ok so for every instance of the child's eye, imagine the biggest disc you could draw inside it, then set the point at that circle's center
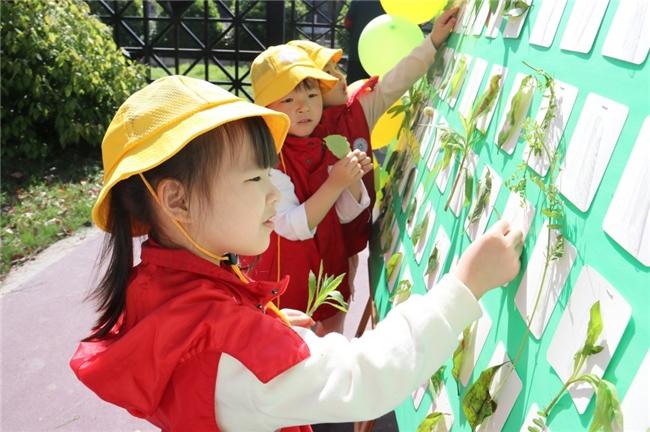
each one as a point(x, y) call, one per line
point(254, 179)
point(313, 95)
point(287, 100)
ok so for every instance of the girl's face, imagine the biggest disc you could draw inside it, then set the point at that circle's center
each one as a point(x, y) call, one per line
point(237, 217)
point(304, 106)
point(338, 95)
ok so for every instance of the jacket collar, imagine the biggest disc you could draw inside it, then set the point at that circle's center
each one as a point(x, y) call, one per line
point(259, 293)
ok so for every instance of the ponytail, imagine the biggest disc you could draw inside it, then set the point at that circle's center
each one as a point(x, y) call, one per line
point(128, 205)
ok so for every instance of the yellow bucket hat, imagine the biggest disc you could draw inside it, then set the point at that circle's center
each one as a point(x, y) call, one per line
point(279, 69)
point(319, 54)
point(156, 122)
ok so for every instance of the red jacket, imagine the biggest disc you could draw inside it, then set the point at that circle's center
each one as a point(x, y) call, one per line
point(350, 121)
point(182, 312)
point(305, 161)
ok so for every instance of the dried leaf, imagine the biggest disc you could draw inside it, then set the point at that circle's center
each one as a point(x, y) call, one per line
point(459, 354)
point(393, 264)
point(518, 109)
point(487, 100)
point(433, 261)
point(483, 192)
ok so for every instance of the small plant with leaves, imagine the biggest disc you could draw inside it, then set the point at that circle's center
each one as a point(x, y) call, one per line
point(483, 191)
point(418, 94)
point(608, 416)
point(518, 110)
point(402, 292)
point(420, 230)
point(323, 291)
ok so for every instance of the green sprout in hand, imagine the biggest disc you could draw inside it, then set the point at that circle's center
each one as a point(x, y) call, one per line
point(323, 291)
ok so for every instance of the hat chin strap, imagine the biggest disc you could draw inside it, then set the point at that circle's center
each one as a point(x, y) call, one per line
point(201, 249)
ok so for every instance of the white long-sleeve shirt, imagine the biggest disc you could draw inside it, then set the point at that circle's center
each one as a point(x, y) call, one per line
point(350, 380)
point(291, 218)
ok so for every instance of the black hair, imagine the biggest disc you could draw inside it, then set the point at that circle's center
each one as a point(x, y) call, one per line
point(131, 205)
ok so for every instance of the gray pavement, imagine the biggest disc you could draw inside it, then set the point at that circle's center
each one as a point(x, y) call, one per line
point(44, 315)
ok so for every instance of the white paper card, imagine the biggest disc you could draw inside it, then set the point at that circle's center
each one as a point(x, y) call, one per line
point(478, 227)
point(565, 96)
point(458, 199)
point(464, 17)
point(628, 217)
point(392, 280)
point(481, 19)
point(629, 36)
point(518, 214)
point(590, 149)
point(505, 389)
point(530, 286)
point(515, 24)
point(427, 128)
point(483, 122)
point(435, 147)
point(636, 404)
point(571, 331)
point(419, 200)
point(509, 145)
point(494, 23)
point(532, 414)
point(447, 58)
point(548, 18)
point(479, 331)
point(407, 186)
point(401, 297)
point(430, 216)
point(584, 22)
point(442, 405)
point(462, 77)
point(443, 176)
point(473, 84)
point(443, 244)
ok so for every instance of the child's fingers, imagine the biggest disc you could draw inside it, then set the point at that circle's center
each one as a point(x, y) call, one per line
point(448, 15)
point(501, 227)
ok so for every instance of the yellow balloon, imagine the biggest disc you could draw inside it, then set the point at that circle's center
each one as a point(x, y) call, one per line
point(385, 130)
point(417, 11)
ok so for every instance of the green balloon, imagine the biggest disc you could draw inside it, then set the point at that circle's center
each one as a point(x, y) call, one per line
point(385, 41)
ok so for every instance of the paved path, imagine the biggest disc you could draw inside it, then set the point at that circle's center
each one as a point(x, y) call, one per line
point(43, 316)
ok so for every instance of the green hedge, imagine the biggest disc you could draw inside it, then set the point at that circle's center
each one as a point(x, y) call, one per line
point(63, 78)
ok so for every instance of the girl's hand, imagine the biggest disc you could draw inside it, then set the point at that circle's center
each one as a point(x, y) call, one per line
point(298, 319)
point(443, 27)
point(491, 260)
point(365, 162)
point(346, 171)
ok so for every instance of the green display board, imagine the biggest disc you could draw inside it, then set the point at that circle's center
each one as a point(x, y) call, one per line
point(613, 97)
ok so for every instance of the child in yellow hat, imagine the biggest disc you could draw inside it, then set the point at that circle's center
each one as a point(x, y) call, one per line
point(189, 343)
point(325, 237)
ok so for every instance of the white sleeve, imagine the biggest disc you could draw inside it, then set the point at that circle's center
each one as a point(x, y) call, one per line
point(290, 219)
point(348, 208)
point(350, 380)
point(396, 81)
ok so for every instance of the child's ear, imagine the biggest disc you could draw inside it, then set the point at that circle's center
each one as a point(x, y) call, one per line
point(174, 199)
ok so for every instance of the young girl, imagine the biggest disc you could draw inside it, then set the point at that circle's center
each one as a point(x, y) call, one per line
point(184, 340)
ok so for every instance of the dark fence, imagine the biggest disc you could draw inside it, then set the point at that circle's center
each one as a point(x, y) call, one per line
point(216, 40)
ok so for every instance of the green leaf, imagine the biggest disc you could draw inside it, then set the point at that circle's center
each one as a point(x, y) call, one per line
point(483, 192)
point(323, 291)
point(419, 230)
point(518, 110)
point(607, 412)
point(517, 8)
point(402, 292)
point(594, 329)
point(338, 145)
point(436, 381)
point(478, 403)
point(431, 422)
point(311, 283)
point(393, 264)
point(494, 4)
point(457, 78)
point(459, 354)
point(487, 100)
point(433, 261)
point(469, 188)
